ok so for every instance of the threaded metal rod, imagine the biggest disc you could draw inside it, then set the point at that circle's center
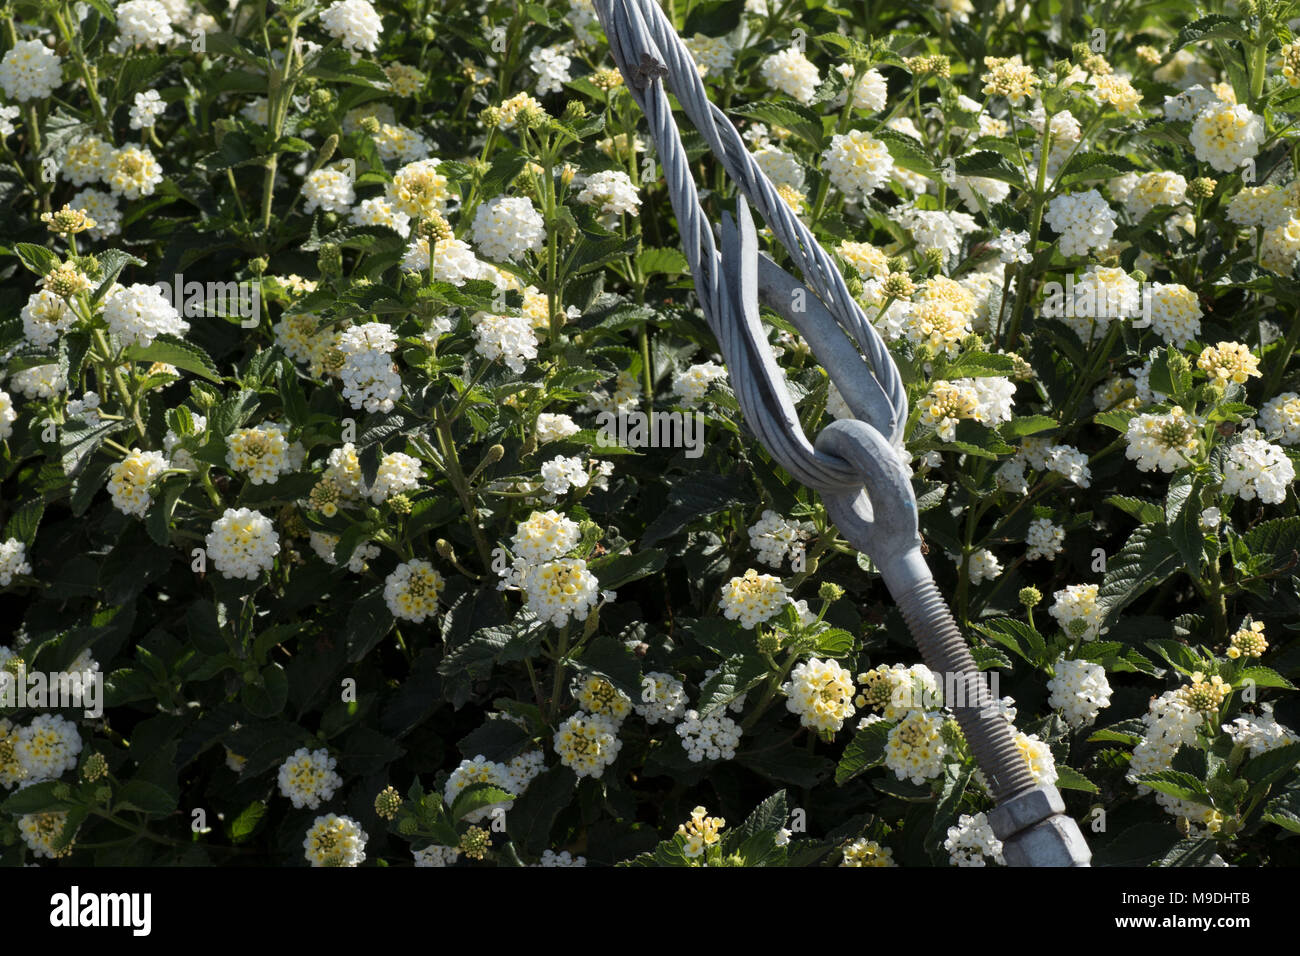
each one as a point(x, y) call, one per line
point(947, 655)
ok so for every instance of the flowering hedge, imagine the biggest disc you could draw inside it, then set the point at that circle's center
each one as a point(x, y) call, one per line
point(318, 322)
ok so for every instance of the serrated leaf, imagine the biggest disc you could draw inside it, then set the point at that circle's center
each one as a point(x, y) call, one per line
point(864, 751)
point(174, 351)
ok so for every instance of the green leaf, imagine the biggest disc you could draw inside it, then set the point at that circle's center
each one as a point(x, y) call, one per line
point(25, 521)
point(174, 351)
point(655, 260)
point(1148, 512)
point(477, 796)
point(267, 698)
point(158, 520)
point(244, 825)
point(1017, 637)
point(1191, 853)
point(37, 259)
point(1272, 765)
point(1283, 810)
point(615, 570)
point(1147, 558)
point(1068, 779)
point(987, 164)
point(694, 496)
point(1207, 28)
point(834, 642)
point(1088, 167)
point(533, 813)
point(1279, 537)
point(1026, 425)
point(776, 757)
point(38, 798)
point(906, 151)
point(368, 621)
point(864, 751)
point(1263, 677)
point(800, 120)
point(1176, 784)
point(146, 797)
point(735, 677)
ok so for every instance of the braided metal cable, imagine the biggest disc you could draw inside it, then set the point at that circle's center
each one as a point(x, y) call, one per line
point(645, 46)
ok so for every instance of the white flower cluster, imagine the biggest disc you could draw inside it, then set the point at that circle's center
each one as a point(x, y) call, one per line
point(561, 590)
point(435, 855)
point(870, 93)
point(45, 316)
point(935, 228)
point(264, 452)
point(412, 590)
point(1254, 468)
point(551, 64)
point(398, 473)
point(130, 478)
point(509, 338)
point(983, 565)
point(587, 744)
point(479, 770)
point(1042, 765)
point(1084, 221)
point(613, 192)
point(779, 166)
point(791, 72)
point(753, 598)
point(1175, 313)
point(146, 108)
point(13, 561)
point(141, 23)
point(1079, 689)
point(690, 386)
point(242, 543)
point(1226, 135)
point(1165, 441)
point(30, 70)
point(562, 473)
point(329, 190)
point(308, 778)
point(555, 427)
point(324, 544)
point(663, 698)
point(821, 692)
point(1078, 603)
point(1169, 724)
point(333, 840)
point(1044, 539)
point(1260, 733)
point(45, 748)
point(1280, 418)
point(714, 737)
point(370, 379)
point(140, 313)
point(775, 538)
point(562, 859)
point(353, 22)
point(915, 748)
point(8, 415)
point(508, 226)
point(857, 163)
point(972, 841)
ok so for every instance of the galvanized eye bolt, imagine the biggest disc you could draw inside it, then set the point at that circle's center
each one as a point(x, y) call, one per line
point(858, 465)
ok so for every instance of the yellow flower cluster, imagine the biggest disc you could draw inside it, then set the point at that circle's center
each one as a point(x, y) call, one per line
point(701, 832)
point(1229, 362)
